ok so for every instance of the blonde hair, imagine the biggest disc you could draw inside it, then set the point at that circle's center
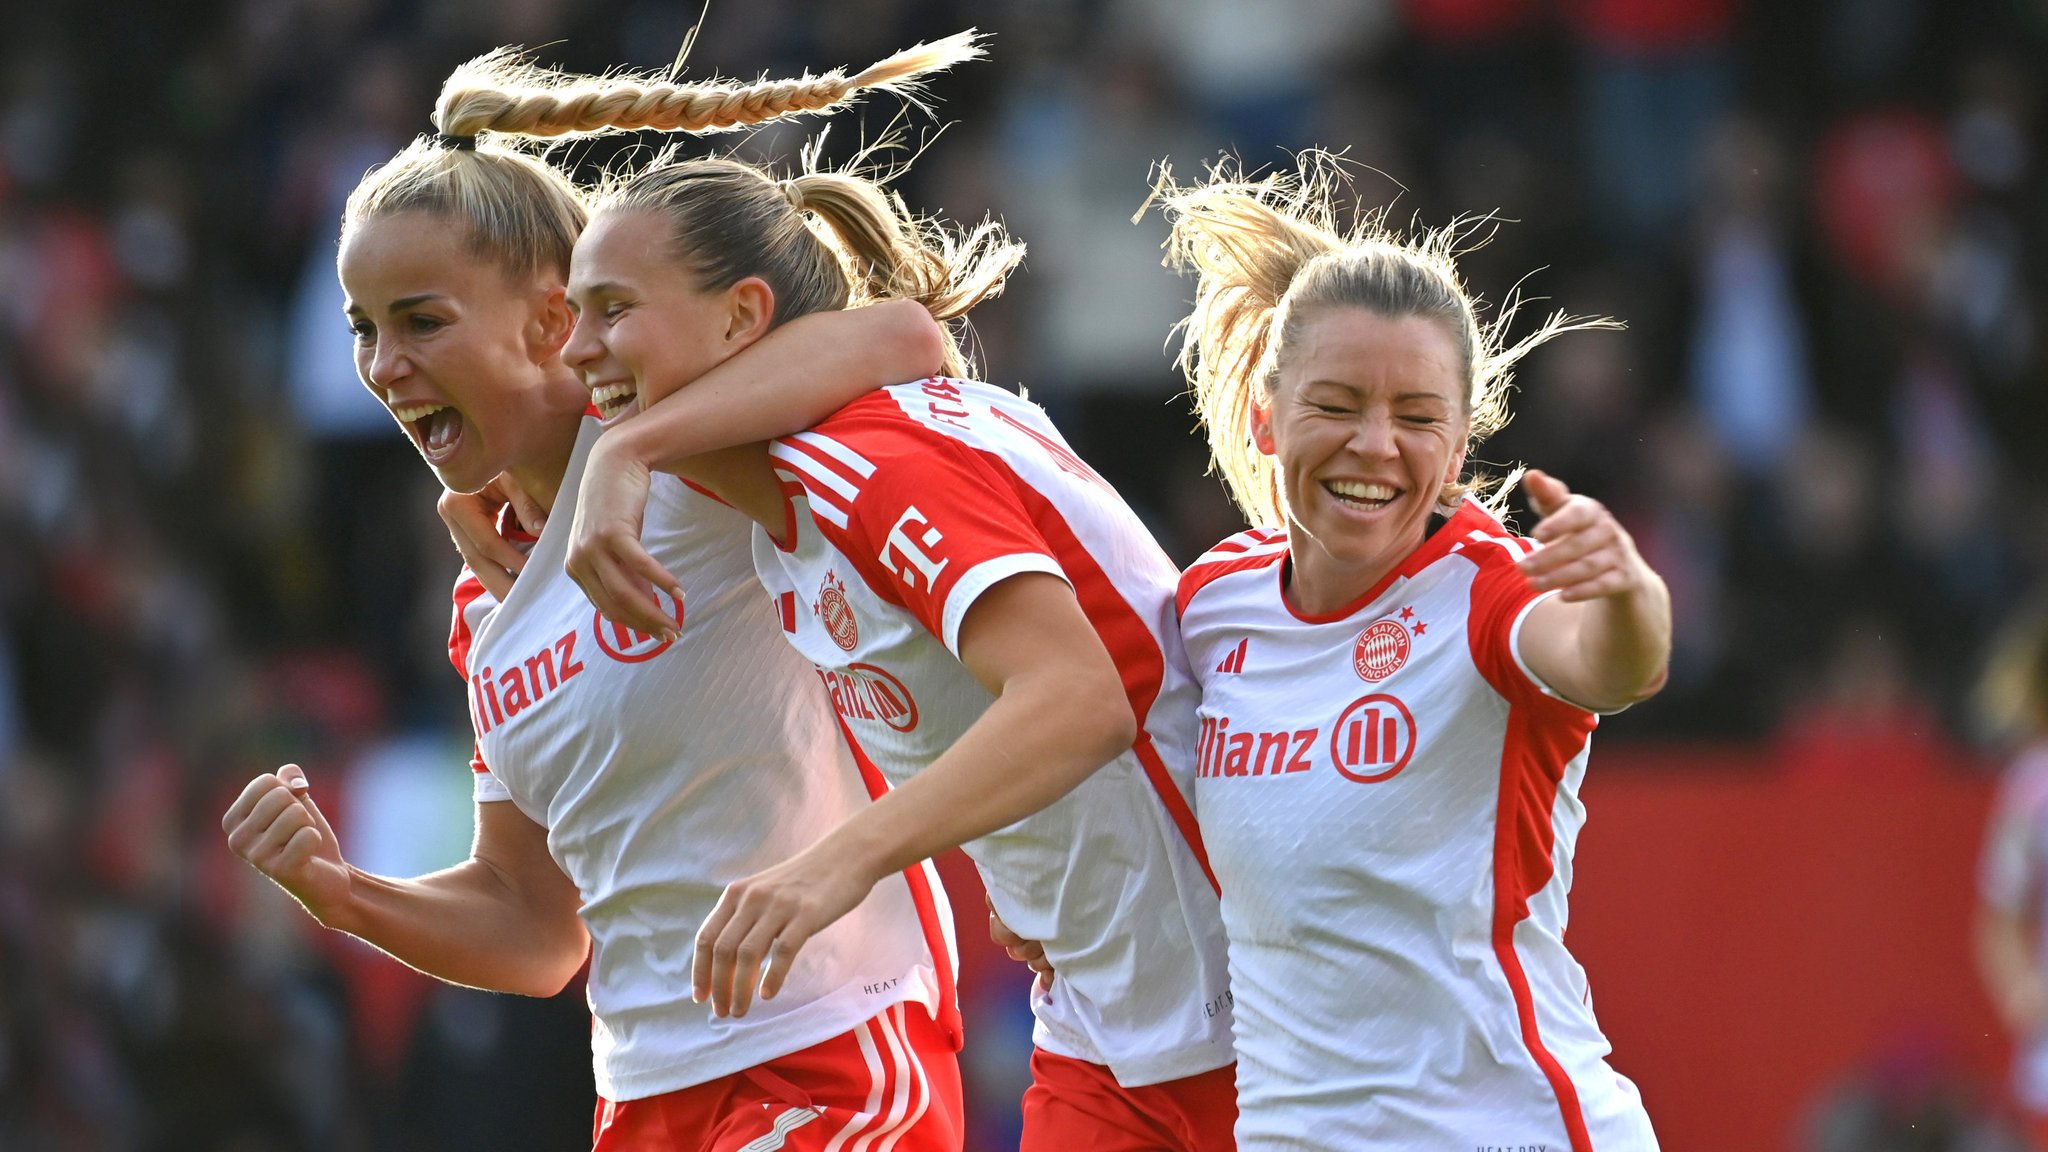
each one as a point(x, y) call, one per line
point(497, 92)
point(522, 211)
point(821, 240)
point(1268, 254)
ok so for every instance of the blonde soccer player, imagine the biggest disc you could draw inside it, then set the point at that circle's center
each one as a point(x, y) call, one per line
point(623, 779)
point(1397, 695)
point(993, 623)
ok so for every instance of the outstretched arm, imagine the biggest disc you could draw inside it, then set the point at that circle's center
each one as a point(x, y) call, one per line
point(505, 919)
point(1604, 641)
point(709, 432)
point(1026, 640)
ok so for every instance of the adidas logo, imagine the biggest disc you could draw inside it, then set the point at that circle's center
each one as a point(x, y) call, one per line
point(1235, 661)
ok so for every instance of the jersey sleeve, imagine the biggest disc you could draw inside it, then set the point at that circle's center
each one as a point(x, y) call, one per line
point(931, 524)
point(472, 604)
point(1502, 599)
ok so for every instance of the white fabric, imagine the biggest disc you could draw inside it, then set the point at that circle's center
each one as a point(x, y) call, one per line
point(661, 780)
point(1360, 866)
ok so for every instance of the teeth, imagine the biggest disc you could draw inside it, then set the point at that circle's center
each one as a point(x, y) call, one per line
point(411, 412)
point(610, 396)
point(1374, 493)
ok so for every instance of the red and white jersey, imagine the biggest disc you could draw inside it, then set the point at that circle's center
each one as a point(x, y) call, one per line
point(1390, 800)
point(662, 772)
point(907, 505)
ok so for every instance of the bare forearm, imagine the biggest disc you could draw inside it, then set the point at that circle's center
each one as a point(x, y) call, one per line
point(1625, 643)
point(466, 925)
point(1009, 765)
point(794, 378)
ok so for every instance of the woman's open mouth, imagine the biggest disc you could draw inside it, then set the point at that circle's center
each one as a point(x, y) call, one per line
point(437, 429)
point(613, 399)
point(1364, 496)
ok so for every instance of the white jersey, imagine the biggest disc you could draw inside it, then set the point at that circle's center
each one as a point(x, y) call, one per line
point(1390, 801)
point(905, 507)
point(662, 772)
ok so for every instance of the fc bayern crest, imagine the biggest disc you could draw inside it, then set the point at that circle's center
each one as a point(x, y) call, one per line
point(1380, 651)
point(837, 613)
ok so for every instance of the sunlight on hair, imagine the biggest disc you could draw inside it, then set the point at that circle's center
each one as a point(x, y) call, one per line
point(1267, 252)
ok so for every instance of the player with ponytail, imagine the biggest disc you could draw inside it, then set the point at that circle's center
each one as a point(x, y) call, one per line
point(992, 622)
point(1397, 691)
point(606, 828)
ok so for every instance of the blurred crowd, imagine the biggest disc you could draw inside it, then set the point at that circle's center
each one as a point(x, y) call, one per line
point(1822, 220)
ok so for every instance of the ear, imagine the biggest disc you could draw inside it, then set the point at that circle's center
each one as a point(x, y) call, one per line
point(549, 327)
point(1456, 467)
point(750, 312)
point(1261, 421)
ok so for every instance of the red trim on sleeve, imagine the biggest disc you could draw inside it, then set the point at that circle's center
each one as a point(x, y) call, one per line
point(965, 488)
point(921, 898)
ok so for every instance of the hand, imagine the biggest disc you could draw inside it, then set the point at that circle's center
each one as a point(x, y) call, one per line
point(1029, 953)
point(606, 558)
point(472, 520)
point(275, 825)
point(1584, 549)
point(769, 916)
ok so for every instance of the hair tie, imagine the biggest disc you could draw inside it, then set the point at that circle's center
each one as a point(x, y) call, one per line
point(791, 193)
point(459, 143)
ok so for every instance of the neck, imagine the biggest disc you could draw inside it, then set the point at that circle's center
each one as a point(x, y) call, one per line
point(540, 475)
point(1319, 583)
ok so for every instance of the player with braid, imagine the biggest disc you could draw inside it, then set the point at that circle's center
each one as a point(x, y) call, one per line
point(604, 826)
point(994, 623)
point(1397, 693)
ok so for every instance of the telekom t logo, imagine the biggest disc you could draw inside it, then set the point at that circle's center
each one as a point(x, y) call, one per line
point(902, 555)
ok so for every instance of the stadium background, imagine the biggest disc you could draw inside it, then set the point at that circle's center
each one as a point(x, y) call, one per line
point(1822, 220)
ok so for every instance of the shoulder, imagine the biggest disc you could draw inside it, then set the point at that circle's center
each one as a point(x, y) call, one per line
point(1485, 540)
point(1246, 551)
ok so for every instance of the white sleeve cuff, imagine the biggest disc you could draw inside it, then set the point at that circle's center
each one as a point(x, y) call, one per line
point(489, 789)
point(981, 578)
point(1515, 650)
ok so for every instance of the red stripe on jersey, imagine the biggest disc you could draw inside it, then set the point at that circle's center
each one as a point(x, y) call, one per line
point(467, 589)
point(1129, 641)
point(920, 896)
point(1532, 764)
point(785, 607)
point(817, 460)
point(1543, 735)
point(1203, 573)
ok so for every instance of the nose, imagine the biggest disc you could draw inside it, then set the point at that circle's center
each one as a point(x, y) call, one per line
point(583, 350)
point(1372, 437)
point(383, 365)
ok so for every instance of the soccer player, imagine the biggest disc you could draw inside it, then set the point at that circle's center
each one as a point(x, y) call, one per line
point(994, 624)
point(623, 779)
point(1397, 695)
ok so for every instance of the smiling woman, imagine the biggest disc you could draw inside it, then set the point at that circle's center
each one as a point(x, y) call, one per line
point(1395, 890)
